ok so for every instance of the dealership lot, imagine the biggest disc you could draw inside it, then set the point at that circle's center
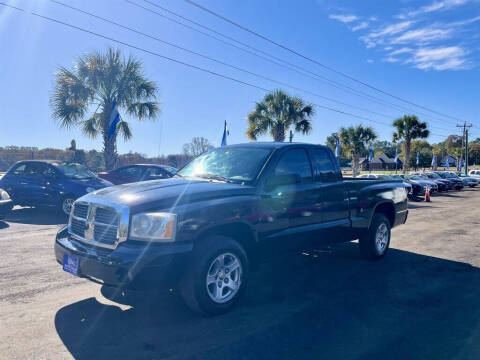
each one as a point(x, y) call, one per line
point(421, 301)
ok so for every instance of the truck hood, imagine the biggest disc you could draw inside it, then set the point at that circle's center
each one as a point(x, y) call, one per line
point(167, 193)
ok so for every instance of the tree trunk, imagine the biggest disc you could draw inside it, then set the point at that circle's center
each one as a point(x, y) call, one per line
point(279, 133)
point(110, 151)
point(109, 144)
point(406, 163)
point(355, 162)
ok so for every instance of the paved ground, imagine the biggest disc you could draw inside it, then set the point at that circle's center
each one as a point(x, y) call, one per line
point(421, 302)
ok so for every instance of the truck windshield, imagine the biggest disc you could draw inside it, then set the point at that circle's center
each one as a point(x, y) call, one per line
point(232, 164)
point(74, 171)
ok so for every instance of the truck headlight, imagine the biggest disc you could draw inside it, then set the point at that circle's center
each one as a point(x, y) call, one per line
point(4, 195)
point(153, 226)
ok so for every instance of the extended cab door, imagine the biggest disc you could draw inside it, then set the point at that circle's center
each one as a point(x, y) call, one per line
point(293, 198)
point(335, 206)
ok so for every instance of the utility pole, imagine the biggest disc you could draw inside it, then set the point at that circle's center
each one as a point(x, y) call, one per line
point(466, 128)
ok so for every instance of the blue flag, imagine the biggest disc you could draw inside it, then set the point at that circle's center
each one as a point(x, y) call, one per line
point(114, 119)
point(396, 155)
point(447, 163)
point(370, 156)
point(418, 158)
point(434, 160)
point(225, 134)
point(337, 148)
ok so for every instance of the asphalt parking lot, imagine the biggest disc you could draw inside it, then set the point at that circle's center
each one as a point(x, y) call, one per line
point(421, 302)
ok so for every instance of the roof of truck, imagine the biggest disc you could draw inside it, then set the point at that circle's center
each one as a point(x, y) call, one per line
point(273, 144)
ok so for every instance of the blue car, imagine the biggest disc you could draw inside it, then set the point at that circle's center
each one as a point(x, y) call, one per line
point(49, 183)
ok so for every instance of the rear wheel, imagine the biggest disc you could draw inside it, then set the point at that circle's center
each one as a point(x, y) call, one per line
point(375, 243)
point(217, 276)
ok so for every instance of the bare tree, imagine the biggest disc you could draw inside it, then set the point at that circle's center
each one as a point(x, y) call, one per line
point(197, 146)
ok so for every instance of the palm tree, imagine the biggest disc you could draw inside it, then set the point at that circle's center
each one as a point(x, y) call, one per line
point(96, 82)
point(355, 140)
point(409, 128)
point(276, 113)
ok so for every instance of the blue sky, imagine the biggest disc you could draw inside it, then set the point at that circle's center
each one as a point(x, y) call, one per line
point(424, 51)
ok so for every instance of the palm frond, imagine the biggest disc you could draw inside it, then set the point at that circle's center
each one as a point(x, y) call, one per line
point(123, 128)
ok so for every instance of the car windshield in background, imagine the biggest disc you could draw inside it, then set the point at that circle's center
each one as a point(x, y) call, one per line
point(74, 171)
point(233, 164)
point(433, 176)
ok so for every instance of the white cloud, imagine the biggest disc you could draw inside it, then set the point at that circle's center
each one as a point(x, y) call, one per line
point(391, 29)
point(404, 50)
point(343, 18)
point(423, 35)
point(370, 61)
point(440, 58)
point(373, 18)
point(360, 26)
point(391, 59)
point(435, 6)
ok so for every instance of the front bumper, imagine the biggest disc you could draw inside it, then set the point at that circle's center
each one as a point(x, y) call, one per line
point(132, 265)
point(5, 207)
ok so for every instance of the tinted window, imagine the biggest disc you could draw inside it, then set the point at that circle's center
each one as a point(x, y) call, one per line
point(296, 162)
point(132, 172)
point(156, 172)
point(322, 166)
point(20, 169)
point(36, 169)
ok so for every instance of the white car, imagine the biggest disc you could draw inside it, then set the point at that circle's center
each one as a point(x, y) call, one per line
point(474, 173)
point(469, 180)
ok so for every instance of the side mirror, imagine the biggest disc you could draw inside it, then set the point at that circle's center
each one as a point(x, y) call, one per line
point(282, 180)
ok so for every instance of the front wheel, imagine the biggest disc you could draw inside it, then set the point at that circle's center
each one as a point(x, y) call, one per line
point(217, 276)
point(375, 242)
point(66, 205)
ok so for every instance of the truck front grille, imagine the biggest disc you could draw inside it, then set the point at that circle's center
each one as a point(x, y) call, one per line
point(98, 224)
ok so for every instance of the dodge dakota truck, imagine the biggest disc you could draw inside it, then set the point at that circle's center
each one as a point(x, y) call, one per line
point(204, 229)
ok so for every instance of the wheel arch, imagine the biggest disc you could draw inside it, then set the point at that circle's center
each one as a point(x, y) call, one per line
point(386, 208)
point(238, 231)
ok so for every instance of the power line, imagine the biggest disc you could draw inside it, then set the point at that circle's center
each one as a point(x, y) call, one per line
point(329, 68)
point(219, 61)
point(181, 62)
point(278, 61)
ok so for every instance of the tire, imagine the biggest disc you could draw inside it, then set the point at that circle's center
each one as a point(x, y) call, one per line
point(217, 297)
point(63, 204)
point(371, 246)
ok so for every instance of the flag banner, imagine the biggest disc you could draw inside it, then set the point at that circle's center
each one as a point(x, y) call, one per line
point(447, 164)
point(337, 148)
point(225, 134)
point(370, 156)
point(396, 155)
point(418, 158)
point(434, 160)
point(114, 119)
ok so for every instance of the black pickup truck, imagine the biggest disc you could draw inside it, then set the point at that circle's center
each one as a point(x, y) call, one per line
point(204, 229)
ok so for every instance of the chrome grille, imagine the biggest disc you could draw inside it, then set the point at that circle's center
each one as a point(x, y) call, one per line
point(99, 223)
point(81, 211)
point(78, 227)
point(106, 216)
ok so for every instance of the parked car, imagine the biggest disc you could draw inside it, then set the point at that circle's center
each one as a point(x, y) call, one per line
point(138, 172)
point(49, 183)
point(408, 187)
point(424, 181)
point(202, 230)
point(474, 173)
point(6, 204)
point(457, 183)
point(435, 177)
point(469, 181)
point(441, 186)
point(418, 187)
